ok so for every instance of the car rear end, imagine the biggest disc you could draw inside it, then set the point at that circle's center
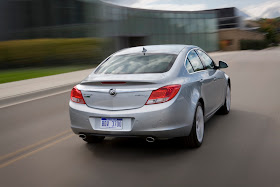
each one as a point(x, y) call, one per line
point(131, 96)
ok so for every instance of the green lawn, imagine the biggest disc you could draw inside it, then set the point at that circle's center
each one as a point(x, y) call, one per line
point(28, 73)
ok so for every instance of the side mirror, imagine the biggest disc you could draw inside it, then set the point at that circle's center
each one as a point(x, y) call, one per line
point(222, 64)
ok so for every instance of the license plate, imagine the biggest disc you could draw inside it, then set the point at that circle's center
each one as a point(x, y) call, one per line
point(111, 123)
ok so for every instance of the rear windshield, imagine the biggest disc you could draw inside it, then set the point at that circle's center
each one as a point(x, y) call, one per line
point(137, 63)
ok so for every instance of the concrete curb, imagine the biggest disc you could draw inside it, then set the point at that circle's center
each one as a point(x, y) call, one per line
point(37, 88)
point(21, 98)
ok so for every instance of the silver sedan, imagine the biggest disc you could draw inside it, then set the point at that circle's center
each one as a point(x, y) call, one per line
point(155, 92)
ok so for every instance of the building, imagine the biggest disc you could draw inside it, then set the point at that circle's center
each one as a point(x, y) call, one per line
point(131, 26)
point(233, 28)
point(28, 19)
point(126, 26)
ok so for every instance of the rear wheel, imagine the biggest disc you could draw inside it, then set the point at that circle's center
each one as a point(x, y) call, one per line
point(195, 138)
point(94, 139)
point(226, 107)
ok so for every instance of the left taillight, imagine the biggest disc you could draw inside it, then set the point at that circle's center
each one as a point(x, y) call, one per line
point(76, 96)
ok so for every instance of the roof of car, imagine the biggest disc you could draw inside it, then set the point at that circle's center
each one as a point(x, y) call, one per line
point(172, 49)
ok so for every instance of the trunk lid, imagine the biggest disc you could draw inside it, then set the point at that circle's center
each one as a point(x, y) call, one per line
point(119, 92)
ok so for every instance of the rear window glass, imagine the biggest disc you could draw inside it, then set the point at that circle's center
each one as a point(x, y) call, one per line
point(137, 63)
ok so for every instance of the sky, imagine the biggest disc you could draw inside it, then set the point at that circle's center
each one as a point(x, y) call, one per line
point(254, 8)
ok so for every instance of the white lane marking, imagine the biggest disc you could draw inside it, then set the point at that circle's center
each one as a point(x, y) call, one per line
point(36, 98)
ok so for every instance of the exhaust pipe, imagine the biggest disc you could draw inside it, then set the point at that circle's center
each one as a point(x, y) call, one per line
point(150, 139)
point(83, 136)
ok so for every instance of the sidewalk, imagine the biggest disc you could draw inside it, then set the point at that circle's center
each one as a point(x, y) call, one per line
point(23, 87)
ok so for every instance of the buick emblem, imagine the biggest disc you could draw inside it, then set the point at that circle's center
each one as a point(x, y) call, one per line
point(112, 92)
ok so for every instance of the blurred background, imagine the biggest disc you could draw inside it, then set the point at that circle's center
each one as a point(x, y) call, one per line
point(45, 37)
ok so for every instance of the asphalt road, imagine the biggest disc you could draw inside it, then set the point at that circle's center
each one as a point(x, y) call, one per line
point(37, 147)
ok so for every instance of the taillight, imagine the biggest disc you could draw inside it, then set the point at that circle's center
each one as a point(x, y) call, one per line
point(76, 96)
point(163, 94)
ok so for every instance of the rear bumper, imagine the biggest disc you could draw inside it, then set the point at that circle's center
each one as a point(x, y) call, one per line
point(165, 120)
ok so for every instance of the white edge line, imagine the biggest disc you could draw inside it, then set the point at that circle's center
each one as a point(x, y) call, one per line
point(36, 98)
point(38, 91)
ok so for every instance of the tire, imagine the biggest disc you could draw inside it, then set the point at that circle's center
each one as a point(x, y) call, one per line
point(195, 139)
point(225, 109)
point(94, 139)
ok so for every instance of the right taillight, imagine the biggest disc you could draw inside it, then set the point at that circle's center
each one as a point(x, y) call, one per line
point(76, 96)
point(163, 94)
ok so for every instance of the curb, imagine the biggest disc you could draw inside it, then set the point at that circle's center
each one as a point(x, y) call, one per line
point(13, 100)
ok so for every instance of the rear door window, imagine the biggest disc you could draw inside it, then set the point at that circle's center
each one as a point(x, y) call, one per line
point(195, 61)
point(189, 66)
point(137, 64)
point(208, 62)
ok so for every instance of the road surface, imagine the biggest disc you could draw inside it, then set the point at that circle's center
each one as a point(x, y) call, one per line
point(37, 147)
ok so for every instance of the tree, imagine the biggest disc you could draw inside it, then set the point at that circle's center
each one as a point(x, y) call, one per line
point(271, 29)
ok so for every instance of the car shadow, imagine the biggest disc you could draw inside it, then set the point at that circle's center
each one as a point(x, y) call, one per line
point(218, 130)
point(135, 147)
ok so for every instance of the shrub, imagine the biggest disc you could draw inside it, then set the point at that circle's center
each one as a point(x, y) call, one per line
point(52, 52)
point(253, 44)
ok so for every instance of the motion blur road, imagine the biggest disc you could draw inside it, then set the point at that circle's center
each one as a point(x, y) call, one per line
point(37, 147)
